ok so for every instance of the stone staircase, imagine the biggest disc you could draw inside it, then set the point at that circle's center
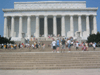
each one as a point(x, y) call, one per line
point(32, 60)
point(47, 49)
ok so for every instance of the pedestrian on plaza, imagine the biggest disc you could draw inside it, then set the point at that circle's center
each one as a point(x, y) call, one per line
point(36, 45)
point(69, 44)
point(43, 45)
point(63, 45)
point(39, 45)
point(5, 46)
point(51, 46)
point(33, 46)
point(77, 45)
point(66, 44)
point(82, 45)
point(94, 46)
point(57, 46)
point(54, 45)
point(86, 46)
point(2, 46)
point(14, 46)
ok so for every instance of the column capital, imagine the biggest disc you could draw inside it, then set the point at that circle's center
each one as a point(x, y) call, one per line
point(94, 15)
point(37, 15)
point(54, 15)
point(63, 15)
point(79, 15)
point(71, 15)
point(45, 15)
point(20, 16)
point(12, 16)
point(5, 16)
point(87, 15)
point(29, 16)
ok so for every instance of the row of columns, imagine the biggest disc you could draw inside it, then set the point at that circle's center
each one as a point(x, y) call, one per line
point(54, 26)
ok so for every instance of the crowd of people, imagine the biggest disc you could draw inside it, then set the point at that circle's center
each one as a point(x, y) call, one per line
point(68, 43)
point(55, 45)
point(35, 45)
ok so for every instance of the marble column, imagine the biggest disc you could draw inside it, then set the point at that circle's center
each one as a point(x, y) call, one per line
point(80, 25)
point(94, 25)
point(5, 26)
point(54, 25)
point(28, 27)
point(12, 26)
point(87, 25)
point(20, 26)
point(71, 26)
point(37, 26)
point(45, 26)
point(63, 26)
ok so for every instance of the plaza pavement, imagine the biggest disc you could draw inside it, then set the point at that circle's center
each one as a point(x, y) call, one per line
point(52, 72)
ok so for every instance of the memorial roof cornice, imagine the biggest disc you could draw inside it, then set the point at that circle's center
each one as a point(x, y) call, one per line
point(51, 2)
point(63, 9)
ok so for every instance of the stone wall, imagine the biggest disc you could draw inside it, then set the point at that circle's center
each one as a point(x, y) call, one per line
point(49, 5)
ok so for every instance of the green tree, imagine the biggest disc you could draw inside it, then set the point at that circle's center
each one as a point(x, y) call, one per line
point(94, 38)
point(4, 40)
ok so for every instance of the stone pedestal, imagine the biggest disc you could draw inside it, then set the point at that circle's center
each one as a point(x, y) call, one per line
point(79, 39)
point(22, 40)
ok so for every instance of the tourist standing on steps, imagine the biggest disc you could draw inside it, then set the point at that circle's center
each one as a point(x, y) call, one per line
point(69, 45)
point(63, 44)
point(36, 45)
point(57, 45)
point(33, 46)
point(19, 45)
point(86, 46)
point(43, 45)
point(54, 45)
point(39, 45)
point(94, 46)
point(77, 45)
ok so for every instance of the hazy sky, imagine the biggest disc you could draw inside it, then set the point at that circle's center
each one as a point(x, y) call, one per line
point(9, 4)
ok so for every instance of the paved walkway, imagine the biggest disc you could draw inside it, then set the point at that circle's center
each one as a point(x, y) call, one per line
point(52, 72)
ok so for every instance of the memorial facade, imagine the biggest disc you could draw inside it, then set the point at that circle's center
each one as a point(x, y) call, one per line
point(67, 18)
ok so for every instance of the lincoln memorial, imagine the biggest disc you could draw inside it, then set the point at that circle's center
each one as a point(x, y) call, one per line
point(43, 18)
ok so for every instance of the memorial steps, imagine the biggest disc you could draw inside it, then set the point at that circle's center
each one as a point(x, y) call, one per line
point(47, 49)
point(31, 60)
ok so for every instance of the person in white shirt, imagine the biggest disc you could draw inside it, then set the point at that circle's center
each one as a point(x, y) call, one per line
point(33, 46)
point(69, 44)
point(54, 45)
point(94, 46)
point(77, 45)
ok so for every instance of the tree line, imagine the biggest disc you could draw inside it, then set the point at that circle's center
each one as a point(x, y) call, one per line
point(94, 38)
point(4, 40)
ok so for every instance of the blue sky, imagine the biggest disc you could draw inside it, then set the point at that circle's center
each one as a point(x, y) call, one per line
point(10, 4)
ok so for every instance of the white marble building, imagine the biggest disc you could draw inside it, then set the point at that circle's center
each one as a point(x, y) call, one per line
point(67, 18)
